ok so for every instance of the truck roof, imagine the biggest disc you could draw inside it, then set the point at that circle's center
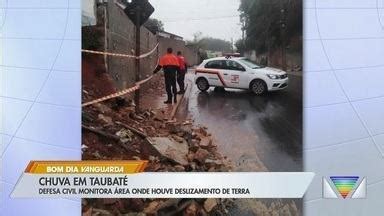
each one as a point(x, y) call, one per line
point(224, 58)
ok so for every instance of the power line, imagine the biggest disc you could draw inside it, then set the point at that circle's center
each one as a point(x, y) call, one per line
point(201, 18)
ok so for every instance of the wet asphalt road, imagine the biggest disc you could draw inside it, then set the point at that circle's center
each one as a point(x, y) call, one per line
point(257, 133)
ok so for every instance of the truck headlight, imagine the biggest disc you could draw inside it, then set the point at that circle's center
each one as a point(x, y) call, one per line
point(272, 76)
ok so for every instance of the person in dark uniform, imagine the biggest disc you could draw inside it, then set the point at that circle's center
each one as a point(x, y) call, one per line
point(181, 72)
point(170, 64)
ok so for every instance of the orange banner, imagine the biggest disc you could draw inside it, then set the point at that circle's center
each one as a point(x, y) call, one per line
point(85, 167)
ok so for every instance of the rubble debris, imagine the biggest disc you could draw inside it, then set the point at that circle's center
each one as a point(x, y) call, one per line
point(168, 145)
point(110, 201)
point(210, 204)
point(136, 204)
point(191, 210)
point(103, 108)
point(141, 134)
point(134, 214)
point(118, 132)
point(106, 119)
point(87, 212)
point(206, 142)
point(152, 207)
point(100, 132)
point(136, 117)
point(124, 135)
point(97, 155)
point(179, 168)
point(201, 155)
point(171, 149)
point(100, 212)
point(187, 122)
point(276, 207)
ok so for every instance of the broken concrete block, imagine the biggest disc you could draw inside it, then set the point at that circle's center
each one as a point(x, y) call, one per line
point(190, 157)
point(210, 204)
point(179, 168)
point(105, 119)
point(178, 138)
point(205, 142)
point(125, 135)
point(191, 210)
point(201, 155)
point(152, 208)
point(103, 108)
point(171, 149)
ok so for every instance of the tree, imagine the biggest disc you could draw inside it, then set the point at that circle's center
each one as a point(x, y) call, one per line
point(240, 46)
point(154, 25)
point(215, 44)
point(209, 43)
point(263, 21)
point(197, 36)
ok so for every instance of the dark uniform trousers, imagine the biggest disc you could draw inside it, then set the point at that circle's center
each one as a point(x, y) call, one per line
point(180, 79)
point(170, 80)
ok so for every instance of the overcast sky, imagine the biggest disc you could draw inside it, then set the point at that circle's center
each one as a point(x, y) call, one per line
point(215, 18)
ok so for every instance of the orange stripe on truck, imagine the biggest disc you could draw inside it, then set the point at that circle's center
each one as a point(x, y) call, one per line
point(210, 71)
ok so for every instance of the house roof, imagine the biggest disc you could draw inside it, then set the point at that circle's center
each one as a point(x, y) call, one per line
point(168, 34)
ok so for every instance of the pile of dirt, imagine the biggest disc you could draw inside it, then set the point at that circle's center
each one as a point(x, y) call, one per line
point(96, 82)
point(115, 131)
point(156, 207)
point(266, 207)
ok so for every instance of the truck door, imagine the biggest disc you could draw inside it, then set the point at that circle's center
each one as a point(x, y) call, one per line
point(233, 74)
point(213, 71)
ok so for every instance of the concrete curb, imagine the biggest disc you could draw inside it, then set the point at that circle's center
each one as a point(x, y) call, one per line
point(180, 98)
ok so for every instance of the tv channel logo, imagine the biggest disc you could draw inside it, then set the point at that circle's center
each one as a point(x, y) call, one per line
point(344, 187)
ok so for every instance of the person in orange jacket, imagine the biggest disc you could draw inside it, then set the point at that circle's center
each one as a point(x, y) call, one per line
point(181, 72)
point(170, 65)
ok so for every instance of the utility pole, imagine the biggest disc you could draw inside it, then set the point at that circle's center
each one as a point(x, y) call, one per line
point(283, 28)
point(232, 46)
point(243, 28)
point(138, 11)
point(137, 53)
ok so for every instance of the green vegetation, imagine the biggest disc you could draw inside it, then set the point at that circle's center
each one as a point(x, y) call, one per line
point(154, 25)
point(215, 44)
point(209, 43)
point(265, 23)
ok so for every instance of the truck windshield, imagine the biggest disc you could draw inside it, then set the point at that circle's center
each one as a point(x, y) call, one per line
point(250, 64)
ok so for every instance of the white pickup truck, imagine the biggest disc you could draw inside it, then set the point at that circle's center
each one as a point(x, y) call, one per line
point(239, 73)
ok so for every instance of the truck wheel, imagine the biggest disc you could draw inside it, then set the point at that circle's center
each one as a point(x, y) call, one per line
point(258, 87)
point(202, 84)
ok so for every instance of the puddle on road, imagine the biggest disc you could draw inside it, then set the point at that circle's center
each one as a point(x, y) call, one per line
point(247, 131)
point(264, 130)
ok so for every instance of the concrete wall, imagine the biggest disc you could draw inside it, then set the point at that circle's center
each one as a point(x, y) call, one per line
point(177, 45)
point(294, 55)
point(294, 58)
point(121, 39)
